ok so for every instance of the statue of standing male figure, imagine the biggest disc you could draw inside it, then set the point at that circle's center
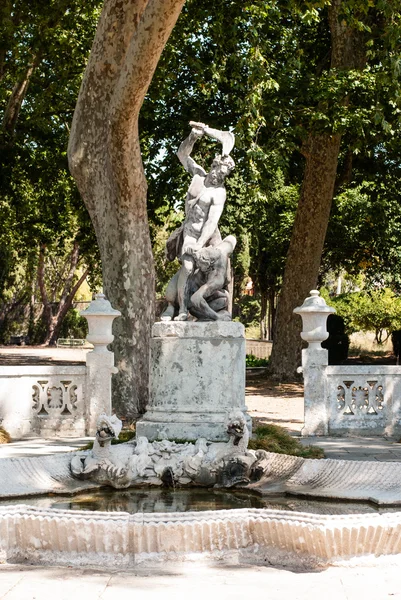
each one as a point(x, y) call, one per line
point(200, 285)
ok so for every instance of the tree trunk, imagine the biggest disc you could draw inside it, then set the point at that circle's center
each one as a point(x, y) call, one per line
point(272, 313)
point(303, 259)
point(17, 97)
point(306, 246)
point(263, 314)
point(105, 160)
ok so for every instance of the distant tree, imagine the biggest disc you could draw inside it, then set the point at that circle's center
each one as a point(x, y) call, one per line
point(377, 310)
point(42, 52)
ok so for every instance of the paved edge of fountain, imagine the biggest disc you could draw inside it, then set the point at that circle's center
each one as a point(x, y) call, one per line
point(251, 535)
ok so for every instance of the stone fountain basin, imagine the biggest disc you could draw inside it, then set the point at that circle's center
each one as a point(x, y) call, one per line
point(297, 539)
point(50, 535)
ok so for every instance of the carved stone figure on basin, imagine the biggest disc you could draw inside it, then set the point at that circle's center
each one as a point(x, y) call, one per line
point(140, 462)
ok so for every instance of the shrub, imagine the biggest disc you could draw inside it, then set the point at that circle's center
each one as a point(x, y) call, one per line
point(248, 310)
point(74, 326)
point(252, 361)
point(376, 310)
point(273, 438)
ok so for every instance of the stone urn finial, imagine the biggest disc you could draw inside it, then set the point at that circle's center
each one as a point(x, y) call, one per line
point(100, 316)
point(314, 312)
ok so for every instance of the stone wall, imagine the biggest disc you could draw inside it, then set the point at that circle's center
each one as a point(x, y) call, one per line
point(62, 401)
point(259, 348)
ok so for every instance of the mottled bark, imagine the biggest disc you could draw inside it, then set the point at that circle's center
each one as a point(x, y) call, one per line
point(105, 160)
point(304, 255)
point(306, 246)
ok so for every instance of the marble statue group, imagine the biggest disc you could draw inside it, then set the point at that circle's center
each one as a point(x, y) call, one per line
point(200, 287)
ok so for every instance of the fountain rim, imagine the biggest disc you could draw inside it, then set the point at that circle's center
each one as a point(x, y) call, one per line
point(219, 514)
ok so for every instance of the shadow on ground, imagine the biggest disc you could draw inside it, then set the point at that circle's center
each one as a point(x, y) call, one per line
point(269, 387)
point(11, 360)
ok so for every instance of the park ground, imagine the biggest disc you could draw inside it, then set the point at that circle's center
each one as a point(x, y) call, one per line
point(199, 580)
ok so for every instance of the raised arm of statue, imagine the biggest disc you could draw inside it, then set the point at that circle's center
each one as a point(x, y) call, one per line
point(185, 149)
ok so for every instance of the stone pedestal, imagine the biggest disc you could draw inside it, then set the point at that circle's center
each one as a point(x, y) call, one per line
point(314, 312)
point(314, 365)
point(99, 363)
point(197, 376)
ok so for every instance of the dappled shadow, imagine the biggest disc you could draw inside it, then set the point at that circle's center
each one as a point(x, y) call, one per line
point(370, 358)
point(10, 360)
point(268, 387)
point(258, 421)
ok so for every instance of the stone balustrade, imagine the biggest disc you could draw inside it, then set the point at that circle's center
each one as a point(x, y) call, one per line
point(345, 399)
point(62, 401)
point(47, 401)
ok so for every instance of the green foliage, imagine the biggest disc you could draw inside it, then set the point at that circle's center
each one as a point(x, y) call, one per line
point(366, 219)
point(43, 50)
point(248, 310)
point(376, 310)
point(160, 229)
point(260, 69)
point(253, 332)
point(273, 438)
point(252, 361)
point(263, 70)
point(74, 326)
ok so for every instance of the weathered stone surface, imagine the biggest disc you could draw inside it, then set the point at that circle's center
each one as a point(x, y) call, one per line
point(43, 535)
point(314, 362)
point(379, 482)
point(197, 376)
point(348, 479)
point(314, 312)
point(195, 329)
point(62, 401)
point(119, 539)
point(47, 400)
point(364, 400)
point(99, 363)
point(38, 475)
point(168, 463)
